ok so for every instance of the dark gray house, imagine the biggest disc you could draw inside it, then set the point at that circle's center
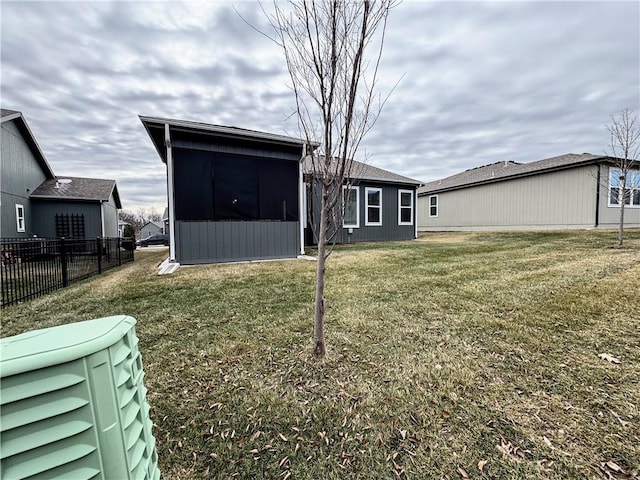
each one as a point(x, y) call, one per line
point(233, 194)
point(34, 202)
point(379, 205)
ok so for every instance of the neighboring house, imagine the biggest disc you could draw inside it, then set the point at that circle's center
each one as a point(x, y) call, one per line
point(234, 194)
point(380, 205)
point(165, 221)
point(34, 202)
point(75, 207)
point(150, 228)
point(564, 192)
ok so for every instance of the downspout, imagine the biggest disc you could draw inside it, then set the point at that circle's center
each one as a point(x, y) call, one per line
point(415, 213)
point(170, 198)
point(102, 218)
point(597, 222)
point(301, 192)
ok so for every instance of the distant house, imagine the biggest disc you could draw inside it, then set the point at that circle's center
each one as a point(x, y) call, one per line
point(151, 228)
point(564, 192)
point(35, 202)
point(165, 220)
point(234, 194)
point(380, 205)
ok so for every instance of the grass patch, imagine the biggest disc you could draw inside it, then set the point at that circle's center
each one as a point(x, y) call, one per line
point(444, 352)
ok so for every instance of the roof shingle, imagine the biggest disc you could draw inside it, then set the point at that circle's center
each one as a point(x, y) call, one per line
point(78, 188)
point(500, 171)
point(363, 171)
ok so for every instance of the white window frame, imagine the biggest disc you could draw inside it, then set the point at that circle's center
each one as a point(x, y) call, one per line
point(437, 206)
point(632, 187)
point(366, 210)
point(20, 218)
point(357, 190)
point(400, 207)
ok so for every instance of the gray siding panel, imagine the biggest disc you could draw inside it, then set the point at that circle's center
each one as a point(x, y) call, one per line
point(238, 150)
point(389, 230)
point(214, 242)
point(44, 213)
point(110, 212)
point(20, 174)
point(563, 199)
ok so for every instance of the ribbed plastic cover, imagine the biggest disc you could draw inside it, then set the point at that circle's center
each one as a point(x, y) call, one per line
point(80, 411)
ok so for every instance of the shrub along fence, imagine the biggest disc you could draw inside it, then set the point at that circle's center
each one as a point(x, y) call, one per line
point(36, 266)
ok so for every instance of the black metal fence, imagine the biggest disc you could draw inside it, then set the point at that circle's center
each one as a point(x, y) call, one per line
point(36, 266)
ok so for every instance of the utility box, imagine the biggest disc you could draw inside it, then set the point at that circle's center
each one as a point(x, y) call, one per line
point(73, 404)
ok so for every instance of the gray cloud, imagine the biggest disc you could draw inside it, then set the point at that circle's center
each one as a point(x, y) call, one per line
point(481, 82)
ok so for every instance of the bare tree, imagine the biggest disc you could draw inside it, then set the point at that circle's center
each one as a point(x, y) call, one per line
point(624, 146)
point(325, 44)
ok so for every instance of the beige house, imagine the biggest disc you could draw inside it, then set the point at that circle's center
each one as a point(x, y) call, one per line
point(567, 192)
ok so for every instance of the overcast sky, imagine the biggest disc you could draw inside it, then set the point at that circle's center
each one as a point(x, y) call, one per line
point(481, 82)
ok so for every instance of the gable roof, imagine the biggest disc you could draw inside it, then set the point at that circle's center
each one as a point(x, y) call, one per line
point(363, 171)
point(78, 188)
point(153, 222)
point(7, 115)
point(501, 171)
point(155, 128)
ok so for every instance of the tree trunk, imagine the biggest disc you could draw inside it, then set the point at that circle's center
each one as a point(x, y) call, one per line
point(318, 323)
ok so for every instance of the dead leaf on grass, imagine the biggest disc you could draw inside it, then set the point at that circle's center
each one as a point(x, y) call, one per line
point(545, 465)
point(481, 464)
point(511, 450)
point(609, 358)
point(463, 474)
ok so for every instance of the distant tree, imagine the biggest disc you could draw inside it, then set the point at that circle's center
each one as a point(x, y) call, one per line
point(325, 44)
point(624, 147)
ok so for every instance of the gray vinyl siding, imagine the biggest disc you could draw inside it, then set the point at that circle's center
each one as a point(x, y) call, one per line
point(20, 174)
point(44, 213)
point(234, 241)
point(610, 215)
point(389, 230)
point(110, 215)
point(555, 200)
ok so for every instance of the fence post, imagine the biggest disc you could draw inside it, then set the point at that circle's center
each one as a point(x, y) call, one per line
point(119, 254)
point(99, 250)
point(63, 261)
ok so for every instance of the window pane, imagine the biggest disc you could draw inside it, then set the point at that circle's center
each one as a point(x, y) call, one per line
point(627, 196)
point(636, 197)
point(373, 197)
point(405, 199)
point(614, 196)
point(433, 201)
point(374, 214)
point(405, 215)
point(614, 177)
point(350, 198)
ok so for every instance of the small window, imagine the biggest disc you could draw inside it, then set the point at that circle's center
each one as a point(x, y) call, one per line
point(20, 224)
point(374, 207)
point(405, 207)
point(351, 202)
point(433, 206)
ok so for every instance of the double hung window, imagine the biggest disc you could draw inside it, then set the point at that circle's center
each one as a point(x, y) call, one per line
point(405, 207)
point(373, 206)
point(351, 203)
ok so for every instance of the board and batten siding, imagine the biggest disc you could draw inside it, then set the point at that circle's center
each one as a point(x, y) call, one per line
point(234, 241)
point(45, 211)
point(21, 174)
point(610, 215)
point(556, 200)
point(389, 230)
